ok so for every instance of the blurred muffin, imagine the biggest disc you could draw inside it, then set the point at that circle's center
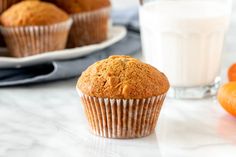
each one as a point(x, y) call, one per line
point(90, 20)
point(122, 97)
point(33, 27)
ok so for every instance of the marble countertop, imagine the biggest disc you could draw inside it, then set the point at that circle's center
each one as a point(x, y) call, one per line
point(46, 120)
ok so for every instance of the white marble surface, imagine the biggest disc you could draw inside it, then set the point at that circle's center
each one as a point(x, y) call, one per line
point(47, 120)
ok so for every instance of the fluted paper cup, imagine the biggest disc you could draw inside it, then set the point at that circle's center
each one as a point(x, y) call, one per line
point(31, 40)
point(122, 118)
point(89, 27)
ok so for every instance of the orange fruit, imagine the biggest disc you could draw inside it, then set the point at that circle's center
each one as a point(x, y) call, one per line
point(232, 73)
point(227, 97)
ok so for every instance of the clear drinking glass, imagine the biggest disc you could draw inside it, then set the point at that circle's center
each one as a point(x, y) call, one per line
point(184, 39)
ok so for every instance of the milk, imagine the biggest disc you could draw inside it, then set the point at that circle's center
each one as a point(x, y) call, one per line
point(184, 39)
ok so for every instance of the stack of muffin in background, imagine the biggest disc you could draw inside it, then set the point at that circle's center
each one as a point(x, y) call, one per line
point(31, 27)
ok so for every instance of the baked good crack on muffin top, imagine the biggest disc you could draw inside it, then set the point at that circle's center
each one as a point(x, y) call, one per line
point(122, 77)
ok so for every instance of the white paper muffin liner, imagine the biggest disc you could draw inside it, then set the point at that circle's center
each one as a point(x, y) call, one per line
point(31, 40)
point(122, 118)
point(89, 27)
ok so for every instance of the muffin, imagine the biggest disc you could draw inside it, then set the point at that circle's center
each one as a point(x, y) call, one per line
point(34, 27)
point(122, 97)
point(90, 20)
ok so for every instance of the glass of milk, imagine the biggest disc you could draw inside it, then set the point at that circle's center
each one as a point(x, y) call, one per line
point(184, 39)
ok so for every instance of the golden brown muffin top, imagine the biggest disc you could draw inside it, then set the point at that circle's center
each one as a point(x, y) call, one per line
point(33, 13)
point(122, 77)
point(77, 6)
